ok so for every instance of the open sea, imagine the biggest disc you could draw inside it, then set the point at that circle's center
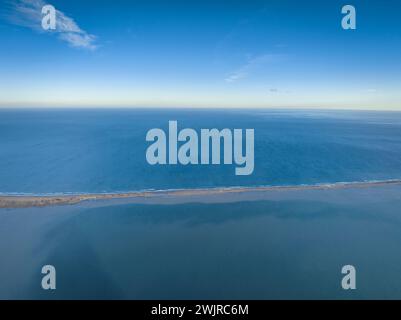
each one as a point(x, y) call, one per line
point(280, 245)
point(86, 151)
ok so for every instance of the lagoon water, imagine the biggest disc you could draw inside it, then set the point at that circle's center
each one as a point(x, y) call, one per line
point(287, 245)
point(277, 244)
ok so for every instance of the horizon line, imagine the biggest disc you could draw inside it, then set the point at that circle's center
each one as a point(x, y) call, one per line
point(189, 107)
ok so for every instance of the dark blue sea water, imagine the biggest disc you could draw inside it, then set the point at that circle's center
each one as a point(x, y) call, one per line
point(60, 151)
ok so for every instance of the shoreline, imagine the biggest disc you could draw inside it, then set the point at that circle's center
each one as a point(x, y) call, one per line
point(8, 201)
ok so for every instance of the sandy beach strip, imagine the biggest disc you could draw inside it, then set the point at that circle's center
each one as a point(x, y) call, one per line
point(25, 201)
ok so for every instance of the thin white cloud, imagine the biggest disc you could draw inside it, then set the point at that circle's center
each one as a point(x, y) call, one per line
point(252, 65)
point(238, 75)
point(28, 13)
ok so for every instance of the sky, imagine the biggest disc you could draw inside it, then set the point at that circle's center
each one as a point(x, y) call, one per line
point(245, 54)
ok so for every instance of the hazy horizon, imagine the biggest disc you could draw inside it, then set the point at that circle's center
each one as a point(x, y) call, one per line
point(192, 107)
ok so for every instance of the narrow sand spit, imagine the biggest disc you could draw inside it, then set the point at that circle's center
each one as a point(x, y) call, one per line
point(24, 201)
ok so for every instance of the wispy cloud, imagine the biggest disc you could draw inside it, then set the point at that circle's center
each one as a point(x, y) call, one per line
point(28, 13)
point(251, 65)
point(235, 76)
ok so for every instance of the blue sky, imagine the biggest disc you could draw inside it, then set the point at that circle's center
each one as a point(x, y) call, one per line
point(201, 54)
